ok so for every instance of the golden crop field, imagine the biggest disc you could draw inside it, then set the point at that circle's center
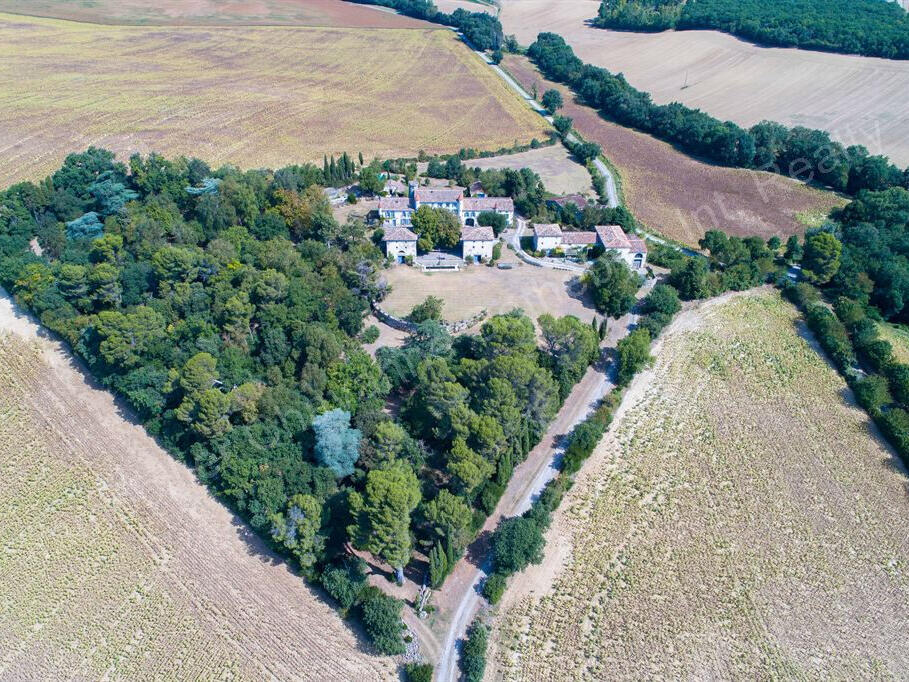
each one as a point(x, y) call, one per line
point(214, 12)
point(251, 96)
point(740, 520)
point(116, 564)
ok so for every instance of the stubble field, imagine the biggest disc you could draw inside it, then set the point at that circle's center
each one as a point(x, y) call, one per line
point(215, 12)
point(253, 96)
point(560, 173)
point(859, 100)
point(116, 564)
point(740, 520)
point(679, 196)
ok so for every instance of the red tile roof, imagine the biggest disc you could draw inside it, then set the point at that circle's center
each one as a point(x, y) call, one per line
point(578, 200)
point(638, 245)
point(613, 237)
point(578, 238)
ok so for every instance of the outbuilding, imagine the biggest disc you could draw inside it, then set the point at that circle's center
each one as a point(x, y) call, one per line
point(400, 243)
point(477, 243)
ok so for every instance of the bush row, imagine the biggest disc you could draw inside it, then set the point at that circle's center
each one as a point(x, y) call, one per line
point(799, 152)
point(850, 337)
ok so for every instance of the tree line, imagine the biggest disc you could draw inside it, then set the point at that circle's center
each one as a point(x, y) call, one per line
point(867, 27)
point(798, 152)
point(484, 31)
point(227, 308)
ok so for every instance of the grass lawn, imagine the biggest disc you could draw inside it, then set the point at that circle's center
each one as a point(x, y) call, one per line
point(535, 290)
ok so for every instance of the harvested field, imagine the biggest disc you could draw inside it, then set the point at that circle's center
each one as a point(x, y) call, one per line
point(216, 13)
point(117, 564)
point(859, 100)
point(534, 290)
point(254, 97)
point(450, 6)
point(740, 520)
point(560, 173)
point(681, 197)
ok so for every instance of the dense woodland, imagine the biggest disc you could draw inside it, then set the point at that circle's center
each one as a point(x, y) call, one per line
point(802, 153)
point(873, 28)
point(483, 30)
point(227, 307)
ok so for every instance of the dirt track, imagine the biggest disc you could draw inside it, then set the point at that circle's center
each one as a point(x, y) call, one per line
point(157, 577)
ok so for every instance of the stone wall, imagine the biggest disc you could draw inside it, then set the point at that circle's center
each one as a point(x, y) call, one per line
point(405, 326)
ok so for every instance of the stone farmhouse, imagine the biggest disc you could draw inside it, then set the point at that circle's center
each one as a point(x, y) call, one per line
point(476, 241)
point(398, 211)
point(630, 248)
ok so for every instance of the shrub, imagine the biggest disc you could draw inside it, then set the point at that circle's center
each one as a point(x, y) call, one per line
point(872, 393)
point(634, 354)
point(516, 543)
point(418, 672)
point(429, 309)
point(473, 658)
point(663, 298)
point(582, 441)
point(489, 496)
point(832, 336)
point(382, 620)
point(494, 587)
point(345, 582)
point(370, 334)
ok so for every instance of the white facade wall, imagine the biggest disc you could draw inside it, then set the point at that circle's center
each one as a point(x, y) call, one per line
point(472, 248)
point(447, 205)
point(636, 260)
point(546, 243)
point(402, 248)
point(397, 218)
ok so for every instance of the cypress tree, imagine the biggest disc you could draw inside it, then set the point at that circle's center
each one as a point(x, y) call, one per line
point(438, 565)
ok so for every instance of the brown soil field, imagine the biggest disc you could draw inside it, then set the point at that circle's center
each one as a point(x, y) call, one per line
point(117, 564)
point(478, 287)
point(216, 12)
point(253, 96)
point(859, 100)
point(560, 173)
point(679, 196)
point(741, 519)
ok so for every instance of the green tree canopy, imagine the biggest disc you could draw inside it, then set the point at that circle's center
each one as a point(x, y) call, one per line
point(337, 444)
point(382, 513)
point(436, 227)
point(612, 285)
